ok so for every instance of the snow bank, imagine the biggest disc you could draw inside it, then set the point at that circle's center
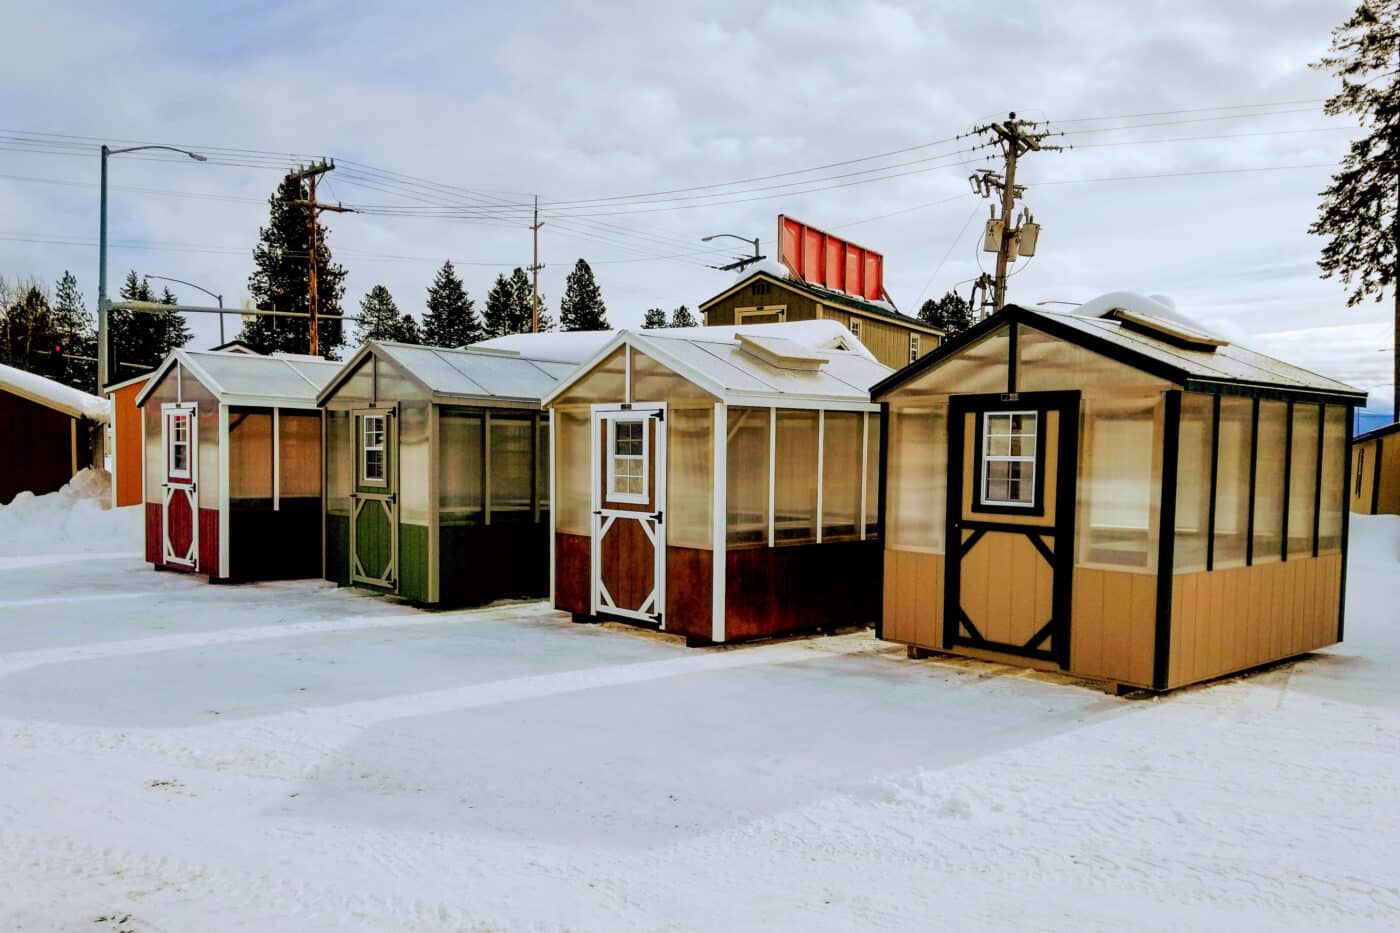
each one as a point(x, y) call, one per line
point(54, 394)
point(76, 519)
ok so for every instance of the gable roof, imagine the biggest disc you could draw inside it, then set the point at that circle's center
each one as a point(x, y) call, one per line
point(249, 379)
point(42, 390)
point(778, 276)
point(1202, 370)
point(808, 364)
point(471, 374)
point(1384, 430)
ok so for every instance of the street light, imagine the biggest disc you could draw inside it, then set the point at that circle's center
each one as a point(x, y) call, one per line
point(738, 263)
point(218, 298)
point(102, 352)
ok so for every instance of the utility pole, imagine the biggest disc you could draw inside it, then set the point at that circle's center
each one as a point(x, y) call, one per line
point(1005, 237)
point(310, 174)
point(535, 268)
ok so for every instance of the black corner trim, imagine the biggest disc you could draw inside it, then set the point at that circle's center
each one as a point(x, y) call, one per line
point(1346, 525)
point(1253, 476)
point(1214, 477)
point(1287, 481)
point(1166, 540)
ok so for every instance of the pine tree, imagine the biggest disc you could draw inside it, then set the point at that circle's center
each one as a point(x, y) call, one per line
point(171, 330)
point(280, 279)
point(379, 317)
point(1360, 210)
point(951, 313)
point(582, 306)
point(681, 317)
point(451, 319)
point(134, 335)
point(27, 328)
point(75, 329)
point(521, 315)
point(653, 319)
point(499, 303)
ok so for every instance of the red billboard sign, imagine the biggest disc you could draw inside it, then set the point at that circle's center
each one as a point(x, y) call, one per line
point(819, 258)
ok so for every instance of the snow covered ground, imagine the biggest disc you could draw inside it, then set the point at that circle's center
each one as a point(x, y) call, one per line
point(176, 756)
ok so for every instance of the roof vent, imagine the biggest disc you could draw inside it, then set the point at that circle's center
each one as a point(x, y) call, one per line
point(1155, 316)
point(780, 352)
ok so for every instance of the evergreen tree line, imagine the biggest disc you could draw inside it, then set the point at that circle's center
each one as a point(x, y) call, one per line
point(53, 333)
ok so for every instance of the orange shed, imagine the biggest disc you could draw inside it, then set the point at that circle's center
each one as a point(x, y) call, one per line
point(126, 440)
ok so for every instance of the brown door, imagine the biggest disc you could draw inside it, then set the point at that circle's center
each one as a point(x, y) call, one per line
point(180, 491)
point(629, 531)
point(1011, 492)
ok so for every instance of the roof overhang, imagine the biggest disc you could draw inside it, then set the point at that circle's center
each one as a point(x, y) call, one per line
point(846, 302)
point(1384, 430)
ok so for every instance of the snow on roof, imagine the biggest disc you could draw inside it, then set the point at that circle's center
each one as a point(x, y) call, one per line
point(562, 346)
point(289, 380)
point(717, 360)
point(44, 391)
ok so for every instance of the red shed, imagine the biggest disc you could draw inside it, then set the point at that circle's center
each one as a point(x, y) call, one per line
point(50, 431)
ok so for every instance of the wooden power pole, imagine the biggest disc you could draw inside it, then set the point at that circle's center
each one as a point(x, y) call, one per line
point(535, 268)
point(310, 174)
point(1005, 237)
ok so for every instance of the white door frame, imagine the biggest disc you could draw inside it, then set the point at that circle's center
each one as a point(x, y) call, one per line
point(653, 608)
point(189, 489)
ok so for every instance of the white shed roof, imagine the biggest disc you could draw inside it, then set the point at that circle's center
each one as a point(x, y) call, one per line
point(798, 364)
point(563, 346)
point(472, 374)
point(246, 379)
point(44, 391)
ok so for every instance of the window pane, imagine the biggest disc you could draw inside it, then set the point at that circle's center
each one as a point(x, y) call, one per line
point(460, 500)
point(299, 455)
point(340, 470)
point(1268, 481)
point(746, 476)
point(690, 477)
point(1120, 483)
point(795, 495)
point(542, 464)
point(1302, 486)
point(573, 469)
point(872, 475)
point(250, 455)
point(1232, 481)
point(1334, 448)
point(512, 443)
point(841, 479)
point(918, 465)
point(1193, 483)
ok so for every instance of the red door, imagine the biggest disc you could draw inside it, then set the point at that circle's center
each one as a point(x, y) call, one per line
point(180, 494)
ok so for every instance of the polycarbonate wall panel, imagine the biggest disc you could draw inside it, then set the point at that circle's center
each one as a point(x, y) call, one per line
point(460, 467)
point(795, 478)
point(572, 471)
point(978, 368)
point(690, 477)
point(872, 475)
point(413, 461)
point(299, 454)
point(1119, 483)
point(1049, 365)
point(1302, 484)
point(153, 440)
point(394, 385)
point(542, 449)
point(605, 382)
point(916, 481)
point(193, 391)
point(1232, 481)
point(1193, 483)
point(1334, 451)
point(653, 382)
point(340, 462)
point(250, 455)
point(841, 475)
point(746, 474)
point(357, 391)
point(1268, 481)
point(512, 468)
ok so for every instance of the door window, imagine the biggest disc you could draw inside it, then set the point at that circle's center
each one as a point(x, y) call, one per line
point(1008, 458)
point(180, 446)
point(372, 463)
point(627, 461)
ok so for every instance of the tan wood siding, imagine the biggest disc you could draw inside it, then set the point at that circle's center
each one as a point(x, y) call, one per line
point(760, 294)
point(913, 598)
point(1361, 483)
point(1231, 620)
point(1388, 502)
point(1369, 499)
point(1113, 625)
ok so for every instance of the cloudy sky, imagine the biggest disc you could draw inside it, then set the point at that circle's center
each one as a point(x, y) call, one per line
point(454, 115)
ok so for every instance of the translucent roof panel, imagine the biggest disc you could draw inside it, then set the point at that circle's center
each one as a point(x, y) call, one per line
point(263, 378)
point(470, 374)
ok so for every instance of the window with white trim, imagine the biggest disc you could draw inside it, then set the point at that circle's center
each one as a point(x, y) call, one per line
point(768, 314)
point(627, 460)
point(913, 347)
point(372, 463)
point(1008, 458)
point(180, 446)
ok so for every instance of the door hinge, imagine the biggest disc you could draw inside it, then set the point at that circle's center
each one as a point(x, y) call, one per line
point(597, 511)
point(659, 414)
point(657, 617)
point(657, 516)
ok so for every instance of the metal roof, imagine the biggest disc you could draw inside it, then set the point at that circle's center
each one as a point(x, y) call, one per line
point(717, 360)
point(471, 374)
point(1204, 369)
point(1384, 430)
point(251, 380)
point(781, 276)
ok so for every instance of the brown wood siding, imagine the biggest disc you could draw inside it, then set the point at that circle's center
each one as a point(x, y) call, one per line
point(38, 454)
point(690, 591)
point(1361, 483)
point(913, 594)
point(1230, 620)
point(628, 564)
point(773, 591)
point(1113, 625)
point(800, 306)
point(572, 567)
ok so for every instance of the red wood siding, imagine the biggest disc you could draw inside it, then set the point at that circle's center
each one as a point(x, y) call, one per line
point(153, 543)
point(572, 565)
point(209, 541)
point(38, 454)
point(689, 591)
point(773, 591)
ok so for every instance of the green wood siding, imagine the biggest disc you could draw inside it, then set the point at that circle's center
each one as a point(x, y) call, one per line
point(374, 543)
point(413, 562)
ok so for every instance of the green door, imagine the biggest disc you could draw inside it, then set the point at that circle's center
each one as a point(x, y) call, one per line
point(374, 552)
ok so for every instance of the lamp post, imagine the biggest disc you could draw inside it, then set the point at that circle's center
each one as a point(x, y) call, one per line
point(102, 350)
point(218, 298)
point(738, 263)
